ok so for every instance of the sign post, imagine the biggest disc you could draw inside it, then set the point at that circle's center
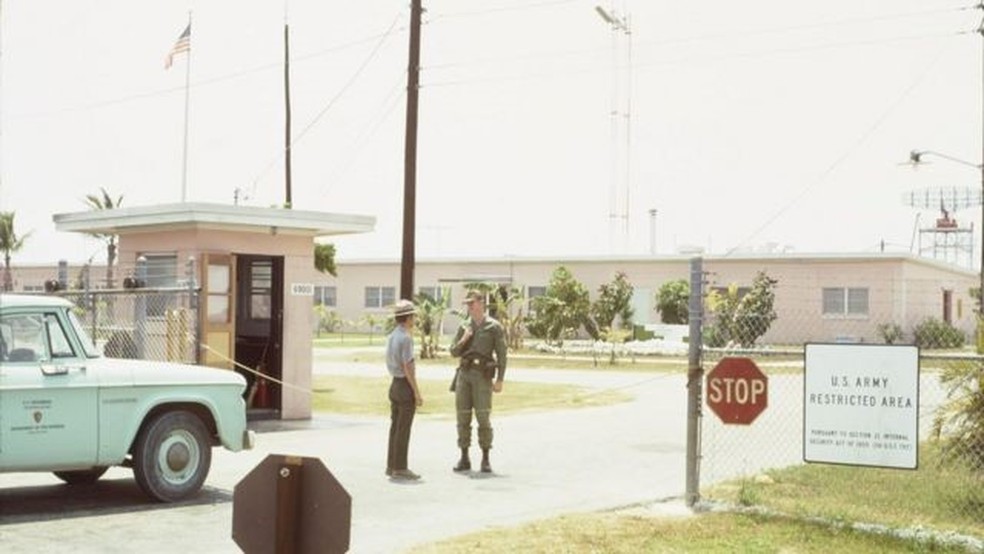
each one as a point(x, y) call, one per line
point(737, 391)
point(291, 504)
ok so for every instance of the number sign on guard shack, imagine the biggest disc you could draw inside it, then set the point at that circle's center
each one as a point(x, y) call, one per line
point(861, 405)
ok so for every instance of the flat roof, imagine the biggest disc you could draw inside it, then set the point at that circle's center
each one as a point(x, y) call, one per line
point(788, 258)
point(200, 215)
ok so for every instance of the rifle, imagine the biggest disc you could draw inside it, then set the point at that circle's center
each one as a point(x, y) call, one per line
point(454, 380)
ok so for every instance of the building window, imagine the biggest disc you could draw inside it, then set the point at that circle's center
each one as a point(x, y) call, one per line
point(435, 293)
point(531, 293)
point(380, 297)
point(723, 291)
point(845, 301)
point(260, 289)
point(325, 296)
point(162, 271)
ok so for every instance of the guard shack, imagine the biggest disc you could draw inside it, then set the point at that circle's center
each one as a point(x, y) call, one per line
point(255, 308)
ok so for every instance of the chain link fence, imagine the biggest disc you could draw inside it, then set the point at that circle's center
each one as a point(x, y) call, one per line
point(762, 463)
point(145, 310)
point(149, 324)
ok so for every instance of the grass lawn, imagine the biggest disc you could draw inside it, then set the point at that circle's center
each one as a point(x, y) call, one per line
point(368, 395)
point(703, 533)
point(363, 353)
point(358, 349)
point(936, 496)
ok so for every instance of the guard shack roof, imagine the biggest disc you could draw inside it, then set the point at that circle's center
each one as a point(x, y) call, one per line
point(223, 217)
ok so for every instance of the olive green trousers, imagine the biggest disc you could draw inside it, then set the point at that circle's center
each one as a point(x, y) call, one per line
point(473, 392)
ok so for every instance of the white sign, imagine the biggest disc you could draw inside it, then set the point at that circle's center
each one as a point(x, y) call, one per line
point(301, 289)
point(861, 405)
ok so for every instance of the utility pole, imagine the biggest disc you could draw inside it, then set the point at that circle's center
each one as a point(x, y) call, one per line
point(410, 155)
point(980, 291)
point(288, 202)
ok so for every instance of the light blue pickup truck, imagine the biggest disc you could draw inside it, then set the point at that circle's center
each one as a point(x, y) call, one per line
point(65, 408)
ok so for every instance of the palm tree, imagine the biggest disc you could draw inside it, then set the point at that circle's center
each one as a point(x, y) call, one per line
point(373, 321)
point(9, 243)
point(324, 259)
point(105, 202)
point(430, 317)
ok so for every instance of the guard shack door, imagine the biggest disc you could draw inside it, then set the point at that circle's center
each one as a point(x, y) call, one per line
point(259, 330)
point(218, 310)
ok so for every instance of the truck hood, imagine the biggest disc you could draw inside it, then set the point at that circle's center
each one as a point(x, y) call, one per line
point(151, 372)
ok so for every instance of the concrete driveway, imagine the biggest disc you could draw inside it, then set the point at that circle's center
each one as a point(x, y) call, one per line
point(547, 463)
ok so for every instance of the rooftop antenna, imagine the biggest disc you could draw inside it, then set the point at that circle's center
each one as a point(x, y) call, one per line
point(946, 239)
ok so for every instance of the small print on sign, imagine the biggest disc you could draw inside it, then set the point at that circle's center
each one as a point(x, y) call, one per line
point(302, 289)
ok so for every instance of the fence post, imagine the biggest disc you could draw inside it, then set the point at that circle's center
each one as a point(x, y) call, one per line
point(695, 377)
point(90, 301)
point(193, 306)
point(140, 310)
point(62, 274)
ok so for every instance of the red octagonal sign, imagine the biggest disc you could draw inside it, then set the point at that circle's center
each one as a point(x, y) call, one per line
point(737, 390)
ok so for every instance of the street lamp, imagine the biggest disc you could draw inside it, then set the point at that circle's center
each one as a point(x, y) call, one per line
point(618, 209)
point(916, 157)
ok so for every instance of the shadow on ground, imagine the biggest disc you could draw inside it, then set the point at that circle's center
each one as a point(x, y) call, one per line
point(60, 501)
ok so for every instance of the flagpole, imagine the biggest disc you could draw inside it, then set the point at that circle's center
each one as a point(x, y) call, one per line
point(184, 156)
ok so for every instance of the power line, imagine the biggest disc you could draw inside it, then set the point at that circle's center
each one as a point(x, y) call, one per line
point(804, 26)
point(331, 102)
point(843, 157)
point(694, 60)
point(526, 6)
point(700, 38)
point(210, 80)
point(389, 104)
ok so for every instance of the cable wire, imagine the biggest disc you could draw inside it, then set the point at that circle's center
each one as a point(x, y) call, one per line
point(358, 72)
point(389, 104)
point(303, 58)
point(843, 157)
point(693, 60)
point(500, 9)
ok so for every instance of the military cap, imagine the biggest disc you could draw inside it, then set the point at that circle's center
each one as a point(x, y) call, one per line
point(403, 307)
point(472, 296)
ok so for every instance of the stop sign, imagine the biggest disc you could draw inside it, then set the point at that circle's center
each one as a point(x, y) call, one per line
point(737, 390)
point(291, 504)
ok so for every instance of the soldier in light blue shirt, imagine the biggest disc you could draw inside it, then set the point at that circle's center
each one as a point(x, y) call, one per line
point(404, 394)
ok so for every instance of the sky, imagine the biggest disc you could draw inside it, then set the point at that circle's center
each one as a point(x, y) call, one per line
point(754, 126)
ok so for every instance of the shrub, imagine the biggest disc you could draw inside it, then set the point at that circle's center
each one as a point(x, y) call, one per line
point(673, 302)
point(891, 333)
point(934, 333)
point(121, 345)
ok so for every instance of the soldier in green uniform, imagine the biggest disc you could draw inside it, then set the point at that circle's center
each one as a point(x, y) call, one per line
point(481, 345)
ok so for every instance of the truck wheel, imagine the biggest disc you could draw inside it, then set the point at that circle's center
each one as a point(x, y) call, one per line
point(172, 456)
point(81, 476)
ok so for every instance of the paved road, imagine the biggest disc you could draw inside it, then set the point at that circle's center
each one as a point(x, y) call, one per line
point(546, 464)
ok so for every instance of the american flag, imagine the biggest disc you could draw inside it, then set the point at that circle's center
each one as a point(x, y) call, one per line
point(183, 44)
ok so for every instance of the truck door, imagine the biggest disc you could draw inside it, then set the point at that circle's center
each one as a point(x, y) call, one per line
point(48, 402)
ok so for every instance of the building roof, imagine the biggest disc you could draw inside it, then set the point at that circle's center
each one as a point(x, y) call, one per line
point(765, 258)
point(212, 216)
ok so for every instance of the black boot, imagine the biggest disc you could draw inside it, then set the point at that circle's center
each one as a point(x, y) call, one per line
point(464, 464)
point(486, 466)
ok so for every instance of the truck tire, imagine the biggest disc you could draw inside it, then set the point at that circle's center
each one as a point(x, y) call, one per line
point(172, 456)
point(81, 476)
